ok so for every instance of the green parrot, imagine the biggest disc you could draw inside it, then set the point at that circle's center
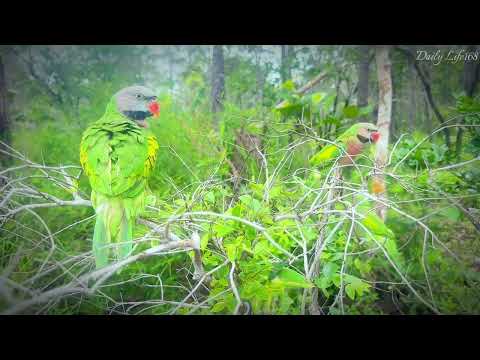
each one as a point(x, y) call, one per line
point(352, 142)
point(118, 154)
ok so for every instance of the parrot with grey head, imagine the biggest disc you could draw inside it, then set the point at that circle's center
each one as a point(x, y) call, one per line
point(350, 144)
point(117, 153)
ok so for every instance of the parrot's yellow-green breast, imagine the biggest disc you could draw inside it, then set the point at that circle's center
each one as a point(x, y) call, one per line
point(118, 157)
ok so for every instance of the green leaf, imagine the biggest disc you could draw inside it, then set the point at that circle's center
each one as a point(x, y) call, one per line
point(317, 97)
point(257, 188)
point(255, 128)
point(356, 285)
point(251, 203)
point(289, 85)
point(327, 103)
point(285, 302)
point(275, 192)
point(336, 279)
point(291, 278)
point(373, 223)
point(323, 283)
point(309, 232)
point(365, 110)
point(396, 188)
point(231, 250)
point(332, 120)
point(446, 178)
point(210, 197)
point(350, 290)
point(256, 205)
point(451, 213)
point(351, 111)
point(330, 269)
point(219, 306)
point(204, 241)
point(245, 199)
point(362, 266)
point(236, 210)
point(223, 229)
point(391, 247)
point(260, 249)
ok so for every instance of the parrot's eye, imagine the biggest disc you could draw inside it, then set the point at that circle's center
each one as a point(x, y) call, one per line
point(139, 96)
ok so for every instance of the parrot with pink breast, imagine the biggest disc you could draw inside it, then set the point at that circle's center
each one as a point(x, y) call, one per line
point(349, 145)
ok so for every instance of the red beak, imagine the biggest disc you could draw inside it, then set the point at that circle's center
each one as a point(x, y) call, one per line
point(154, 108)
point(375, 136)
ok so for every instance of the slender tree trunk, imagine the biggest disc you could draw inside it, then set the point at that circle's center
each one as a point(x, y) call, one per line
point(4, 122)
point(428, 115)
point(428, 119)
point(218, 81)
point(363, 72)
point(260, 77)
point(395, 96)
point(436, 111)
point(384, 69)
point(412, 103)
point(285, 63)
point(471, 73)
point(285, 72)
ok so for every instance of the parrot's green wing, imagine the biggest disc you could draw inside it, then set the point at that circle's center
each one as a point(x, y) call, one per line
point(117, 158)
point(327, 154)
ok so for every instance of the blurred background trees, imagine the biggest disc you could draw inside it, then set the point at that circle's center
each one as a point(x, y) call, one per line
point(74, 80)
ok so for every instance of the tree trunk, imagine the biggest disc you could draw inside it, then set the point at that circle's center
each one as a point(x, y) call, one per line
point(427, 118)
point(4, 122)
point(218, 81)
point(412, 103)
point(260, 77)
point(471, 73)
point(285, 63)
point(363, 70)
point(384, 69)
point(394, 110)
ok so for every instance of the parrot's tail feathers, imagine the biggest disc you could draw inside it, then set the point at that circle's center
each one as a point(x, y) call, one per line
point(113, 230)
point(101, 242)
point(125, 240)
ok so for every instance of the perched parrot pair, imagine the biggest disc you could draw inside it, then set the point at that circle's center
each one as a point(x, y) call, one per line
point(350, 144)
point(118, 154)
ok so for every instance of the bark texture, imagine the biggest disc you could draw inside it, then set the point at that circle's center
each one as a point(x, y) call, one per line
point(218, 80)
point(384, 69)
point(4, 121)
point(286, 59)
